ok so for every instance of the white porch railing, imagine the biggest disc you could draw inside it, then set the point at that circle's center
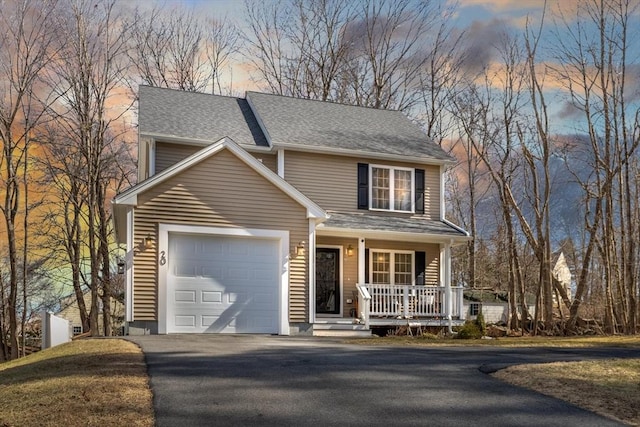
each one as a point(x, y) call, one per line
point(364, 304)
point(407, 301)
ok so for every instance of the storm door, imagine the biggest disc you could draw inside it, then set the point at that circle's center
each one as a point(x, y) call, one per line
point(327, 281)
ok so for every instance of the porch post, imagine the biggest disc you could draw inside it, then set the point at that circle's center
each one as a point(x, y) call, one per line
point(445, 271)
point(361, 267)
point(311, 260)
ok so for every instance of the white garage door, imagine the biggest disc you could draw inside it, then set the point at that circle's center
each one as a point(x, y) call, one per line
point(222, 284)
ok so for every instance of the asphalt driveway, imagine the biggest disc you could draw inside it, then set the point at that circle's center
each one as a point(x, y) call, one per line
point(220, 380)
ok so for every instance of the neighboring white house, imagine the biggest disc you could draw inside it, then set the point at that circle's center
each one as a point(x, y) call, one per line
point(494, 305)
point(70, 310)
point(562, 274)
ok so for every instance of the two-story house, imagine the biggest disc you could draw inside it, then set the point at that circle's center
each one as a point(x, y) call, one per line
point(271, 214)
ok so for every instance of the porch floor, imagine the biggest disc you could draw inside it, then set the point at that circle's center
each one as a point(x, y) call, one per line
point(349, 327)
point(339, 327)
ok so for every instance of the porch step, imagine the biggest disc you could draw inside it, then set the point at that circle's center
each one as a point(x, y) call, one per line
point(340, 329)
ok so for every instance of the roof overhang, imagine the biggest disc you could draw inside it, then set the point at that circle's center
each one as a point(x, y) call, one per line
point(361, 153)
point(173, 139)
point(356, 225)
point(391, 235)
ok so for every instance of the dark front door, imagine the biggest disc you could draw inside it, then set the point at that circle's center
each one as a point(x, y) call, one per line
point(327, 281)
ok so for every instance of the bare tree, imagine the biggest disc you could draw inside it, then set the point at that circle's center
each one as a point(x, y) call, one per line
point(386, 56)
point(25, 40)
point(594, 47)
point(174, 48)
point(371, 53)
point(297, 46)
point(88, 78)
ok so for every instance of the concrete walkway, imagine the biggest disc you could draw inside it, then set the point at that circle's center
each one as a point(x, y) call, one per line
point(220, 380)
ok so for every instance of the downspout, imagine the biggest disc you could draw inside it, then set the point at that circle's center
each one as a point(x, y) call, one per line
point(129, 266)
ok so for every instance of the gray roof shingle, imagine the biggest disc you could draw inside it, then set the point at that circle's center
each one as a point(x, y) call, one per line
point(288, 122)
point(373, 222)
point(197, 116)
point(310, 123)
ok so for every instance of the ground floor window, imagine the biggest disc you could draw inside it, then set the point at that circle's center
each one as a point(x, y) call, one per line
point(391, 267)
point(474, 309)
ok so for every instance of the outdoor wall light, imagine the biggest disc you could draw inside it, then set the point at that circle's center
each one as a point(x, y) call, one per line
point(300, 248)
point(121, 266)
point(145, 243)
point(349, 250)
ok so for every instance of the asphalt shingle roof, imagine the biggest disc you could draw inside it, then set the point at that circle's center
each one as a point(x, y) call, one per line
point(367, 221)
point(197, 116)
point(288, 122)
point(309, 123)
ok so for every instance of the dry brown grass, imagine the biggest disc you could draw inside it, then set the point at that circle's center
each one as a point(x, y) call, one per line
point(608, 387)
point(93, 382)
point(537, 341)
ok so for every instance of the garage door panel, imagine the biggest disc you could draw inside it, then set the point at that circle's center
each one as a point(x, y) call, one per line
point(223, 284)
point(211, 296)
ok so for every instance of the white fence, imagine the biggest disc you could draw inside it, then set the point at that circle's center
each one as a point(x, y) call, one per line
point(55, 330)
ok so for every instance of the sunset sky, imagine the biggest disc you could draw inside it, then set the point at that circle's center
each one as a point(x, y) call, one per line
point(484, 22)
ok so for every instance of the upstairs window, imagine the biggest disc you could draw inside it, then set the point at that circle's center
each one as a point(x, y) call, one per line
point(391, 189)
point(387, 188)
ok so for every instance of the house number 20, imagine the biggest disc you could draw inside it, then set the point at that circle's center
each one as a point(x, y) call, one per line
point(163, 258)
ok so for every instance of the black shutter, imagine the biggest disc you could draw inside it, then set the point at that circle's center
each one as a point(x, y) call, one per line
point(366, 266)
point(421, 266)
point(419, 191)
point(363, 186)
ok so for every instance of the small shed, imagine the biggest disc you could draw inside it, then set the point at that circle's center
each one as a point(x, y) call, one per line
point(494, 304)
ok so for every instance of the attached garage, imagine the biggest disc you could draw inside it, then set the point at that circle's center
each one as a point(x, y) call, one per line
point(211, 247)
point(215, 280)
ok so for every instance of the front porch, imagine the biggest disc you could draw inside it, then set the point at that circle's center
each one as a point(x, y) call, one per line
point(386, 305)
point(375, 270)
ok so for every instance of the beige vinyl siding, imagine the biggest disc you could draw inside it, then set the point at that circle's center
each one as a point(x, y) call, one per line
point(349, 267)
point(220, 191)
point(168, 154)
point(432, 192)
point(143, 158)
point(269, 160)
point(332, 182)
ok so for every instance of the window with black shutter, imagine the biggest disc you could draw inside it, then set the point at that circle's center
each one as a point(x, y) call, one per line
point(419, 192)
point(363, 186)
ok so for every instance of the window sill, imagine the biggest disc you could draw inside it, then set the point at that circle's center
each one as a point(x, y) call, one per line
point(391, 211)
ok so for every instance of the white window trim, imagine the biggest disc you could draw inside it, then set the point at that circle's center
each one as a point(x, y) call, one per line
point(392, 264)
point(392, 170)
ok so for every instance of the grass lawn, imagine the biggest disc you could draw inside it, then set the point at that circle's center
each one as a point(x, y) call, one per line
point(91, 382)
point(608, 387)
